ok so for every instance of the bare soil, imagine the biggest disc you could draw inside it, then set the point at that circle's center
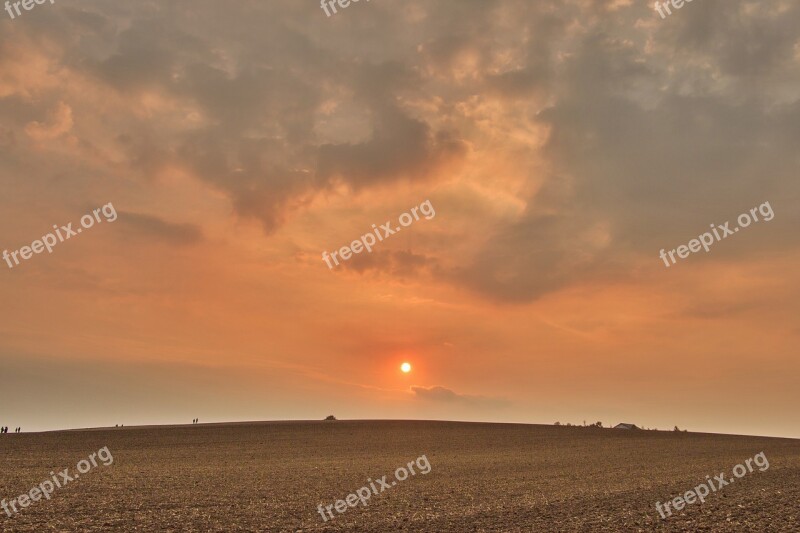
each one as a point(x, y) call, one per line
point(484, 477)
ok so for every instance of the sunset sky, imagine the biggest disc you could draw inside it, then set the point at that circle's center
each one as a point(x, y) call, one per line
point(562, 144)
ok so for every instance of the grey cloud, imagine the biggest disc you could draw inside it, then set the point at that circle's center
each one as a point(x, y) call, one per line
point(401, 147)
point(526, 260)
point(651, 155)
point(657, 128)
point(271, 103)
point(152, 227)
point(396, 263)
point(443, 395)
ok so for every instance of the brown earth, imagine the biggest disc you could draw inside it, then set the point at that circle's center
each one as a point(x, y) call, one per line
point(484, 477)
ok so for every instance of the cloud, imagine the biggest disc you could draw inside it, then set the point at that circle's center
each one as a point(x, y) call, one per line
point(400, 147)
point(155, 228)
point(537, 255)
point(59, 124)
point(443, 395)
point(619, 135)
point(399, 263)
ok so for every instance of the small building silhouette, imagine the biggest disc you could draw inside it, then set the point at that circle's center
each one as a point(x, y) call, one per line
point(625, 426)
point(330, 417)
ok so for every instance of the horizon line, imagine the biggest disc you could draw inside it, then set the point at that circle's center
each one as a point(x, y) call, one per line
point(278, 421)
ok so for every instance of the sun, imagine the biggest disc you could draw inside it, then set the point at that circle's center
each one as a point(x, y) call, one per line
point(406, 367)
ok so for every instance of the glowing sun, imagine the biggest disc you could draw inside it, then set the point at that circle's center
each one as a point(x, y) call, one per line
point(406, 367)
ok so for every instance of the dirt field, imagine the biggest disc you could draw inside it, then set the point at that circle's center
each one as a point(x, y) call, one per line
point(483, 477)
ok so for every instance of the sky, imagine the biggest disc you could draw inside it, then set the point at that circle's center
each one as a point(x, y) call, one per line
point(561, 144)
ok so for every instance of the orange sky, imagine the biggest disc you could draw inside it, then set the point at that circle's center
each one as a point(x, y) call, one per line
point(562, 145)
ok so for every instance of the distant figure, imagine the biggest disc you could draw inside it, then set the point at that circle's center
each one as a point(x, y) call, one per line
point(19, 430)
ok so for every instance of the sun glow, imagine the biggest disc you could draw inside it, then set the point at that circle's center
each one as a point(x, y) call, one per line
point(406, 367)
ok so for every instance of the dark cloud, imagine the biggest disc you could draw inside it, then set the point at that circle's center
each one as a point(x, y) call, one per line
point(523, 261)
point(396, 263)
point(400, 147)
point(657, 128)
point(642, 157)
point(443, 395)
point(155, 228)
point(258, 141)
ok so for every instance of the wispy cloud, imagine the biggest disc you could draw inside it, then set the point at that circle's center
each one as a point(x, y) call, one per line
point(443, 395)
